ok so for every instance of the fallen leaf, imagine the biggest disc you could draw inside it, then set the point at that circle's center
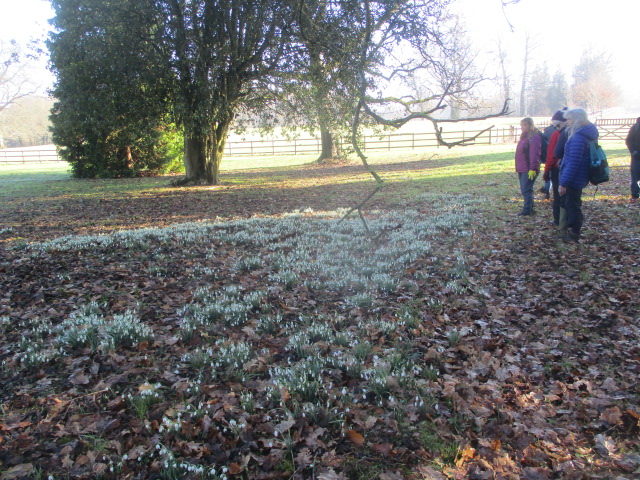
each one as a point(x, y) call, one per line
point(382, 448)
point(612, 416)
point(18, 471)
point(354, 437)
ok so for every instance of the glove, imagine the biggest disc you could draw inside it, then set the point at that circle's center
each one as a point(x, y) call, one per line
point(532, 174)
point(546, 177)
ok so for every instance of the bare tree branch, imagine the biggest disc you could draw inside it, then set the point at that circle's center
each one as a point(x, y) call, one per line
point(15, 81)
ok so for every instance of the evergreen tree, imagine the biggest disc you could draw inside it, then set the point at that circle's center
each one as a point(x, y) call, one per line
point(110, 110)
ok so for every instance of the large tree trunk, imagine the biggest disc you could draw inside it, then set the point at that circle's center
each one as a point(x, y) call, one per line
point(203, 153)
point(329, 147)
point(195, 157)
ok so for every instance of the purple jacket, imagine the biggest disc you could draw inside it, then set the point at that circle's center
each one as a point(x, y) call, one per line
point(574, 169)
point(528, 154)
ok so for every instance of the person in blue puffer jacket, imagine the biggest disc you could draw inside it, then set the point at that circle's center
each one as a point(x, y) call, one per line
point(574, 169)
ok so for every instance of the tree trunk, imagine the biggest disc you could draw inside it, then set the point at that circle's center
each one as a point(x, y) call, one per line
point(329, 148)
point(194, 158)
point(203, 154)
point(219, 140)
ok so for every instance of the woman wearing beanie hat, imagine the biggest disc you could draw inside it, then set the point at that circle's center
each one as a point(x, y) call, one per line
point(552, 165)
point(559, 115)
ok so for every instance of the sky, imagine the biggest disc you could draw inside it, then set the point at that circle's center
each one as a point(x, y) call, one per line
point(563, 29)
point(23, 21)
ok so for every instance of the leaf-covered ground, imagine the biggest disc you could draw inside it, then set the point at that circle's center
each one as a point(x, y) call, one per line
point(447, 339)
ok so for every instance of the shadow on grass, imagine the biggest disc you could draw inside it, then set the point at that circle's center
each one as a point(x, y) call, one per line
point(107, 205)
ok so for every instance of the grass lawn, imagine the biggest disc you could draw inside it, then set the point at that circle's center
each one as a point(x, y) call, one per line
point(248, 331)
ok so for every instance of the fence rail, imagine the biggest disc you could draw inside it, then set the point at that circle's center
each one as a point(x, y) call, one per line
point(407, 141)
point(610, 129)
point(614, 128)
point(29, 155)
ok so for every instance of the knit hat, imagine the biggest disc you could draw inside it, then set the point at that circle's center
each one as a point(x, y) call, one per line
point(559, 115)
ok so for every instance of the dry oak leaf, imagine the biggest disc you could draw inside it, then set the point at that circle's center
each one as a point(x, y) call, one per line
point(331, 475)
point(18, 471)
point(355, 437)
point(467, 454)
point(611, 415)
point(79, 379)
point(391, 476)
point(382, 448)
point(304, 458)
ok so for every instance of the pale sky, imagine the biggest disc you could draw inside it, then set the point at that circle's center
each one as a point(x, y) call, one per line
point(562, 28)
point(23, 21)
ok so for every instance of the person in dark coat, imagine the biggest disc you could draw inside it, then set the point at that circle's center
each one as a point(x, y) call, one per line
point(574, 170)
point(552, 165)
point(633, 144)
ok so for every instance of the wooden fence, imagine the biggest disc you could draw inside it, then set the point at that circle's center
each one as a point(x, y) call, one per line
point(614, 129)
point(46, 153)
point(406, 141)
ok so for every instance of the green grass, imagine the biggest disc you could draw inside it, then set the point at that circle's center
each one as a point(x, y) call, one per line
point(481, 170)
point(268, 162)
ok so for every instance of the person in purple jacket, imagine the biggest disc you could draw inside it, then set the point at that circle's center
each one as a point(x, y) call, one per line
point(574, 169)
point(528, 162)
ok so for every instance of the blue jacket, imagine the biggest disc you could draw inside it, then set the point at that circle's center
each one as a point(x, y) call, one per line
point(574, 170)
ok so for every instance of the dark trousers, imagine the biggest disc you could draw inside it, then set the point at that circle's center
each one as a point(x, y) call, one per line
point(572, 202)
point(635, 175)
point(555, 178)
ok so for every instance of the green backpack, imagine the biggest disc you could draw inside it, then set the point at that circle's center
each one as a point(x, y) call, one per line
point(598, 166)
